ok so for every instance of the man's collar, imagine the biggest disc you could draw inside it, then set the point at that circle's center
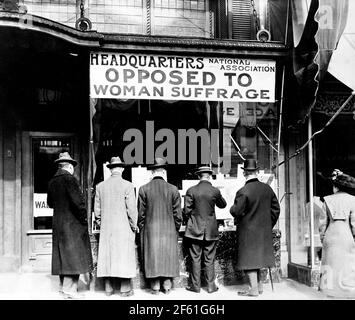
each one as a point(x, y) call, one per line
point(208, 181)
point(66, 170)
point(62, 171)
point(158, 177)
point(251, 180)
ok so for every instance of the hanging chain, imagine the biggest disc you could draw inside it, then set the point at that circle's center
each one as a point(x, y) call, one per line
point(82, 8)
point(256, 17)
point(149, 18)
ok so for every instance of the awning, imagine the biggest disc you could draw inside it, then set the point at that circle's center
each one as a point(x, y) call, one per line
point(323, 42)
point(342, 63)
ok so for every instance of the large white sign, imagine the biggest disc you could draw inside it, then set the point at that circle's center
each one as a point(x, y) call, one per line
point(165, 77)
point(40, 206)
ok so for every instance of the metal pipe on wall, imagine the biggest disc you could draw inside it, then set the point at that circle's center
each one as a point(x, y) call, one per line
point(310, 191)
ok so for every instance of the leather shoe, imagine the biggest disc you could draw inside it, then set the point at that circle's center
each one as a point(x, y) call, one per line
point(73, 296)
point(127, 294)
point(260, 288)
point(197, 290)
point(248, 293)
point(152, 291)
point(108, 293)
point(213, 289)
point(167, 291)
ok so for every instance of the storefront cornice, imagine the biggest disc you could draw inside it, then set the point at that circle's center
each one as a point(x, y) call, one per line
point(94, 40)
point(192, 45)
point(39, 24)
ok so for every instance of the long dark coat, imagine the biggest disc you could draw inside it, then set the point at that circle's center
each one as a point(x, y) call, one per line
point(71, 244)
point(256, 210)
point(159, 219)
point(200, 201)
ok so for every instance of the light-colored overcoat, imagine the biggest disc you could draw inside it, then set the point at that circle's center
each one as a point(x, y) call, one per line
point(115, 205)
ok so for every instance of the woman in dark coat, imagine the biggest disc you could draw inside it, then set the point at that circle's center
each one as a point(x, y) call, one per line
point(71, 255)
point(159, 219)
point(256, 210)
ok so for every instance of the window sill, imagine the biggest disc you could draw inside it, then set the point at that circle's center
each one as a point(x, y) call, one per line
point(41, 231)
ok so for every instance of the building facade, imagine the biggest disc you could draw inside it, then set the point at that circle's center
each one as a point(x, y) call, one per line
point(48, 102)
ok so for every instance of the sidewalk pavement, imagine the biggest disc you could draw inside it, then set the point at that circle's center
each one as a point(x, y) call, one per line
point(42, 286)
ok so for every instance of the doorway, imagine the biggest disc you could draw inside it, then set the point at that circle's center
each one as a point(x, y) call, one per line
point(39, 150)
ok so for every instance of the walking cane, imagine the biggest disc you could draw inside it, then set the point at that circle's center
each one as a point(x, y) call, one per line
point(272, 283)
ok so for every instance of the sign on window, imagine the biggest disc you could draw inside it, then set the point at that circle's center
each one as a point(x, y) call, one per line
point(164, 77)
point(40, 206)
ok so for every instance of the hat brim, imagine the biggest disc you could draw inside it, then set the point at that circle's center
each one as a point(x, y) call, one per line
point(250, 169)
point(71, 161)
point(156, 166)
point(349, 182)
point(115, 165)
point(204, 171)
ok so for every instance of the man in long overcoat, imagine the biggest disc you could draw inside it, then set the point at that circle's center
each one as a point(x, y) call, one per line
point(116, 211)
point(256, 210)
point(71, 254)
point(159, 220)
point(202, 228)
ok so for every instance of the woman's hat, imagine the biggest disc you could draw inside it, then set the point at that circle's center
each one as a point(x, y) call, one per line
point(204, 169)
point(65, 157)
point(115, 162)
point(158, 163)
point(339, 178)
point(250, 165)
point(342, 179)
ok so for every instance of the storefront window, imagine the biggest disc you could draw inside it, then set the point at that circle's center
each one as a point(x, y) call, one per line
point(45, 151)
point(262, 20)
point(333, 149)
point(64, 11)
point(198, 114)
point(142, 120)
point(119, 16)
point(252, 127)
point(299, 203)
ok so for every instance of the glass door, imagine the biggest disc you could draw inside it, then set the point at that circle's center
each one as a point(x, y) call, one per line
point(45, 151)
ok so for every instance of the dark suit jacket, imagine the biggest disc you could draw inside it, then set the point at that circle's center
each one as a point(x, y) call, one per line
point(200, 201)
point(256, 210)
point(159, 219)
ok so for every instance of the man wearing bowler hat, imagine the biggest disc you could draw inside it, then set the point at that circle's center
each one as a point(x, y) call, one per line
point(159, 220)
point(202, 228)
point(71, 254)
point(256, 210)
point(116, 211)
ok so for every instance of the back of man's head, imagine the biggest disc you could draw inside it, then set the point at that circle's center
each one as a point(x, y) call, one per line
point(117, 170)
point(250, 173)
point(204, 176)
point(159, 171)
point(66, 166)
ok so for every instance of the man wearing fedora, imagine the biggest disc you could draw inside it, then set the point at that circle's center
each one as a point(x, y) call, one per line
point(256, 210)
point(71, 254)
point(159, 220)
point(116, 212)
point(202, 228)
